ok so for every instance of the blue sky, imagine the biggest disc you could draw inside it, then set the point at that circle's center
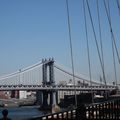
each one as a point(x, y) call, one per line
point(34, 29)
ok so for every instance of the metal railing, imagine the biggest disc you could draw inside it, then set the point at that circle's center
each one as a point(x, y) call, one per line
point(65, 115)
point(109, 110)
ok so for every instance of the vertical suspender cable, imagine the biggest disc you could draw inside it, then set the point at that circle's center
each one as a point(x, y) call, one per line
point(113, 51)
point(19, 77)
point(96, 42)
point(118, 5)
point(88, 52)
point(111, 30)
point(100, 34)
point(71, 49)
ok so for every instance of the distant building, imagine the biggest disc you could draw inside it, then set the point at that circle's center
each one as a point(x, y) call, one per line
point(4, 95)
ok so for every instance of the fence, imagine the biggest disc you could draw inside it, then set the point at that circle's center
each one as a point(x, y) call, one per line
point(109, 110)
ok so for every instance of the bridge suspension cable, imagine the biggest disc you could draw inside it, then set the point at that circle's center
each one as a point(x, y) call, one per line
point(118, 5)
point(111, 30)
point(112, 39)
point(100, 34)
point(22, 70)
point(113, 49)
point(80, 78)
point(28, 75)
point(32, 67)
point(96, 42)
point(71, 48)
point(88, 52)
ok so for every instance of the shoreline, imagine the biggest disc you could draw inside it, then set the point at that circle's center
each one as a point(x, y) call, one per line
point(16, 102)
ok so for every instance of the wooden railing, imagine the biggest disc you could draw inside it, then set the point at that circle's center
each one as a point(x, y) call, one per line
point(109, 110)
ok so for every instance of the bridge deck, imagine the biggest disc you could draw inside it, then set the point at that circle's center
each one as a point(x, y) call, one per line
point(56, 87)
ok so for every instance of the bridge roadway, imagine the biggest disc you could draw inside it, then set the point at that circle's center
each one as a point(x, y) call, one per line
point(56, 87)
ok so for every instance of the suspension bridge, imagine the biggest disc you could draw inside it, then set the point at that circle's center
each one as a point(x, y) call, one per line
point(48, 79)
point(41, 76)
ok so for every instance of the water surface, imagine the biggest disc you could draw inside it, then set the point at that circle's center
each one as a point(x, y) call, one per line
point(23, 113)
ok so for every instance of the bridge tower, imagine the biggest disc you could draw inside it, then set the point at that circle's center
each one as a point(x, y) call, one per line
point(48, 97)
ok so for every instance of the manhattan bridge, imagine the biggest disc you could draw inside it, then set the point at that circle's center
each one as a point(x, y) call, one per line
point(41, 76)
point(44, 78)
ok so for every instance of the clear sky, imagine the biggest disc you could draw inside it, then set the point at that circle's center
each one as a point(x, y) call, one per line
point(34, 29)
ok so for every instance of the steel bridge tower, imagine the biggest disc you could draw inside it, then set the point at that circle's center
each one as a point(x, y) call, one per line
point(47, 98)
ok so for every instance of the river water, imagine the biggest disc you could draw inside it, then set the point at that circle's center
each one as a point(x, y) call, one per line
point(23, 113)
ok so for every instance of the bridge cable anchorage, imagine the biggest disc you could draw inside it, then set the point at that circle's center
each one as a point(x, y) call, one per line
point(118, 5)
point(88, 52)
point(111, 30)
point(96, 42)
point(71, 49)
point(100, 34)
point(80, 78)
point(113, 50)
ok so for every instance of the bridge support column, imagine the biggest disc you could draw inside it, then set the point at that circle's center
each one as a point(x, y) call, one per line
point(51, 73)
point(54, 98)
point(15, 94)
point(39, 97)
point(51, 99)
point(45, 100)
point(44, 69)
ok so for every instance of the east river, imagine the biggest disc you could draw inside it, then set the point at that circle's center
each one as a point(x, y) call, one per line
point(23, 113)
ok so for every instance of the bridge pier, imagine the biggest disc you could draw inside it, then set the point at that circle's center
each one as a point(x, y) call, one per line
point(39, 97)
point(51, 99)
point(45, 100)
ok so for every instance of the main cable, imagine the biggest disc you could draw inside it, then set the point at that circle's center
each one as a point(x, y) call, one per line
point(113, 51)
point(96, 41)
point(111, 30)
point(76, 76)
point(71, 49)
point(88, 52)
point(118, 5)
point(100, 34)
